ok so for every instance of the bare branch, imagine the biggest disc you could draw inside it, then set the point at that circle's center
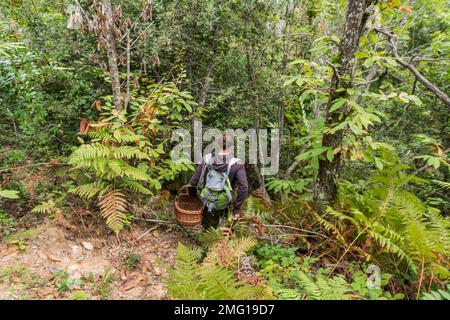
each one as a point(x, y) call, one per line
point(429, 85)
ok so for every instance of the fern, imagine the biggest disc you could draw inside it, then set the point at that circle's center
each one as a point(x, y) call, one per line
point(227, 252)
point(128, 152)
point(210, 237)
point(88, 190)
point(191, 278)
point(113, 207)
point(324, 288)
point(221, 284)
point(396, 219)
point(136, 186)
point(442, 184)
point(437, 294)
point(123, 152)
point(47, 207)
point(89, 152)
point(183, 282)
point(9, 194)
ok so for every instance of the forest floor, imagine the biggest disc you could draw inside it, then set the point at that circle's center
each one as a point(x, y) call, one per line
point(52, 262)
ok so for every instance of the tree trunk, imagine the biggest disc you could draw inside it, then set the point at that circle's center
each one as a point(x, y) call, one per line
point(255, 99)
point(325, 188)
point(209, 71)
point(112, 55)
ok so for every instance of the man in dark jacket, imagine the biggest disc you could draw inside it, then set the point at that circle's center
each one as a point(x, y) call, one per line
point(237, 178)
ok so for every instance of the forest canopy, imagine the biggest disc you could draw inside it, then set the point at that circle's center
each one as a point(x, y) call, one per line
point(91, 92)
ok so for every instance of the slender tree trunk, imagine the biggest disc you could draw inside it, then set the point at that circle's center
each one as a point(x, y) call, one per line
point(210, 68)
point(112, 55)
point(255, 98)
point(325, 188)
point(128, 83)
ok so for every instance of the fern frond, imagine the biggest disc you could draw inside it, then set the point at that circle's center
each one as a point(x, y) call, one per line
point(389, 245)
point(89, 152)
point(221, 284)
point(46, 207)
point(183, 281)
point(136, 186)
point(190, 279)
point(323, 288)
point(437, 294)
point(113, 208)
point(129, 152)
point(88, 190)
point(442, 184)
point(227, 252)
point(210, 237)
point(328, 226)
point(135, 173)
point(101, 135)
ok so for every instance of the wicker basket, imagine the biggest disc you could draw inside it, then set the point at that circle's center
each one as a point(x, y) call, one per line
point(188, 210)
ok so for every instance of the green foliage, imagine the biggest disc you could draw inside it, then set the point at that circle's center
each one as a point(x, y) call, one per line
point(7, 224)
point(20, 239)
point(63, 282)
point(395, 218)
point(19, 281)
point(292, 277)
point(192, 279)
point(80, 295)
point(131, 261)
point(48, 207)
point(9, 194)
point(104, 286)
point(45, 81)
point(126, 152)
point(437, 295)
point(288, 186)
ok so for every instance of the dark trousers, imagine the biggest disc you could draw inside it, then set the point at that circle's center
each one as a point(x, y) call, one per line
point(216, 219)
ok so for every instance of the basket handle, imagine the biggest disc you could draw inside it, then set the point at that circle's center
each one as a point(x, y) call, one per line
point(185, 188)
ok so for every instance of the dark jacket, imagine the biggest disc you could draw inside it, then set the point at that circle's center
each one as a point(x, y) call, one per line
point(237, 176)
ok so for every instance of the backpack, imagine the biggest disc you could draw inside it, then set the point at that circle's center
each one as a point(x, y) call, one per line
point(216, 194)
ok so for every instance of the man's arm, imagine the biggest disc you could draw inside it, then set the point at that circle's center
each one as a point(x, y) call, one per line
point(242, 192)
point(194, 181)
point(196, 177)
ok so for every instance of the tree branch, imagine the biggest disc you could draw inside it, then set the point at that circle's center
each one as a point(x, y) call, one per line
point(429, 85)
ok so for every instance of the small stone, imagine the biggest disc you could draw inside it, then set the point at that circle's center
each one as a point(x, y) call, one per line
point(54, 269)
point(74, 271)
point(156, 271)
point(75, 250)
point(87, 245)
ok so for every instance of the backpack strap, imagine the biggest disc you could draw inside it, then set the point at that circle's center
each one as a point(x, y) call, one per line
point(206, 162)
point(231, 163)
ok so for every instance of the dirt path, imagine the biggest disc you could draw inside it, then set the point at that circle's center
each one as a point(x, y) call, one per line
point(56, 264)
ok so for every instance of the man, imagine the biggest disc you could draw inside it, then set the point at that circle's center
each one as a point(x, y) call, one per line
point(221, 162)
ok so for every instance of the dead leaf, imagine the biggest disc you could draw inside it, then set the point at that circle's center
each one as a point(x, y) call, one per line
point(406, 9)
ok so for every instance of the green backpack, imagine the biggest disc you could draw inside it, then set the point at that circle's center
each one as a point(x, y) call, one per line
point(216, 194)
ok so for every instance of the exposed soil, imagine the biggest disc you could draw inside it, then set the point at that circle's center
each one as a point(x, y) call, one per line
point(53, 248)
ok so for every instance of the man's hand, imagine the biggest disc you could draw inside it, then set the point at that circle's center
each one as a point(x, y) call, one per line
point(236, 215)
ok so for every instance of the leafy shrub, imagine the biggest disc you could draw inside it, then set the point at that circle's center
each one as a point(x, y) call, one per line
point(291, 277)
point(7, 224)
point(126, 152)
point(396, 219)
